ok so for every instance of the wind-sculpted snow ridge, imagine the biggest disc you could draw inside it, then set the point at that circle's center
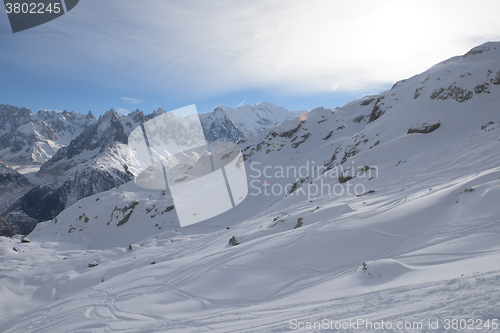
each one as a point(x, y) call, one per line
point(370, 212)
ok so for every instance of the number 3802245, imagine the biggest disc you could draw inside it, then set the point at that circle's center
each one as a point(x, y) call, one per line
point(33, 8)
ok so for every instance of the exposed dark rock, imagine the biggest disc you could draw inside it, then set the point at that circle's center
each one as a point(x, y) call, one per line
point(303, 139)
point(290, 133)
point(424, 129)
point(476, 50)
point(367, 101)
point(233, 241)
point(417, 93)
point(453, 92)
point(295, 185)
point(437, 92)
point(377, 112)
point(344, 179)
point(124, 210)
point(16, 224)
point(482, 88)
point(365, 168)
point(496, 81)
point(488, 124)
point(359, 119)
point(328, 136)
point(350, 152)
point(13, 185)
point(397, 84)
point(299, 223)
point(368, 192)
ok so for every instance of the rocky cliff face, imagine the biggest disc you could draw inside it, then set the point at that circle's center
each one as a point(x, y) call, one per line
point(12, 117)
point(13, 185)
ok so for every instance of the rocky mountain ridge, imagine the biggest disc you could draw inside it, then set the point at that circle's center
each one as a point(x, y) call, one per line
point(27, 138)
point(97, 158)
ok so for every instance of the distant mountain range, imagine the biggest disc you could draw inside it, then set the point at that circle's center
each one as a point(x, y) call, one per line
point(27, 138)
point(78, 155)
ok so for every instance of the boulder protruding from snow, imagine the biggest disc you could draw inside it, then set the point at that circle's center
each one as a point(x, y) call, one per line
point(233, 241)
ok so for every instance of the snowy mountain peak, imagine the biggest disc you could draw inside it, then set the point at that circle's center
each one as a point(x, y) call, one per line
point(220, 111)
point(110, 115)
point(90, 116)
point(245, 121)
point(157, 113)
point(12, 117)
point(483, 48)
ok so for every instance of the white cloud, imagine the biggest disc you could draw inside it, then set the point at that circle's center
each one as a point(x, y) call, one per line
point(291, 46)
point(129, 100)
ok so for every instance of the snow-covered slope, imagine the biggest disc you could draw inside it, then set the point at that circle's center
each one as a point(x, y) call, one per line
point(384, 209)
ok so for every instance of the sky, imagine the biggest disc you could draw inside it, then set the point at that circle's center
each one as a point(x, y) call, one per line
point(129, 54)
